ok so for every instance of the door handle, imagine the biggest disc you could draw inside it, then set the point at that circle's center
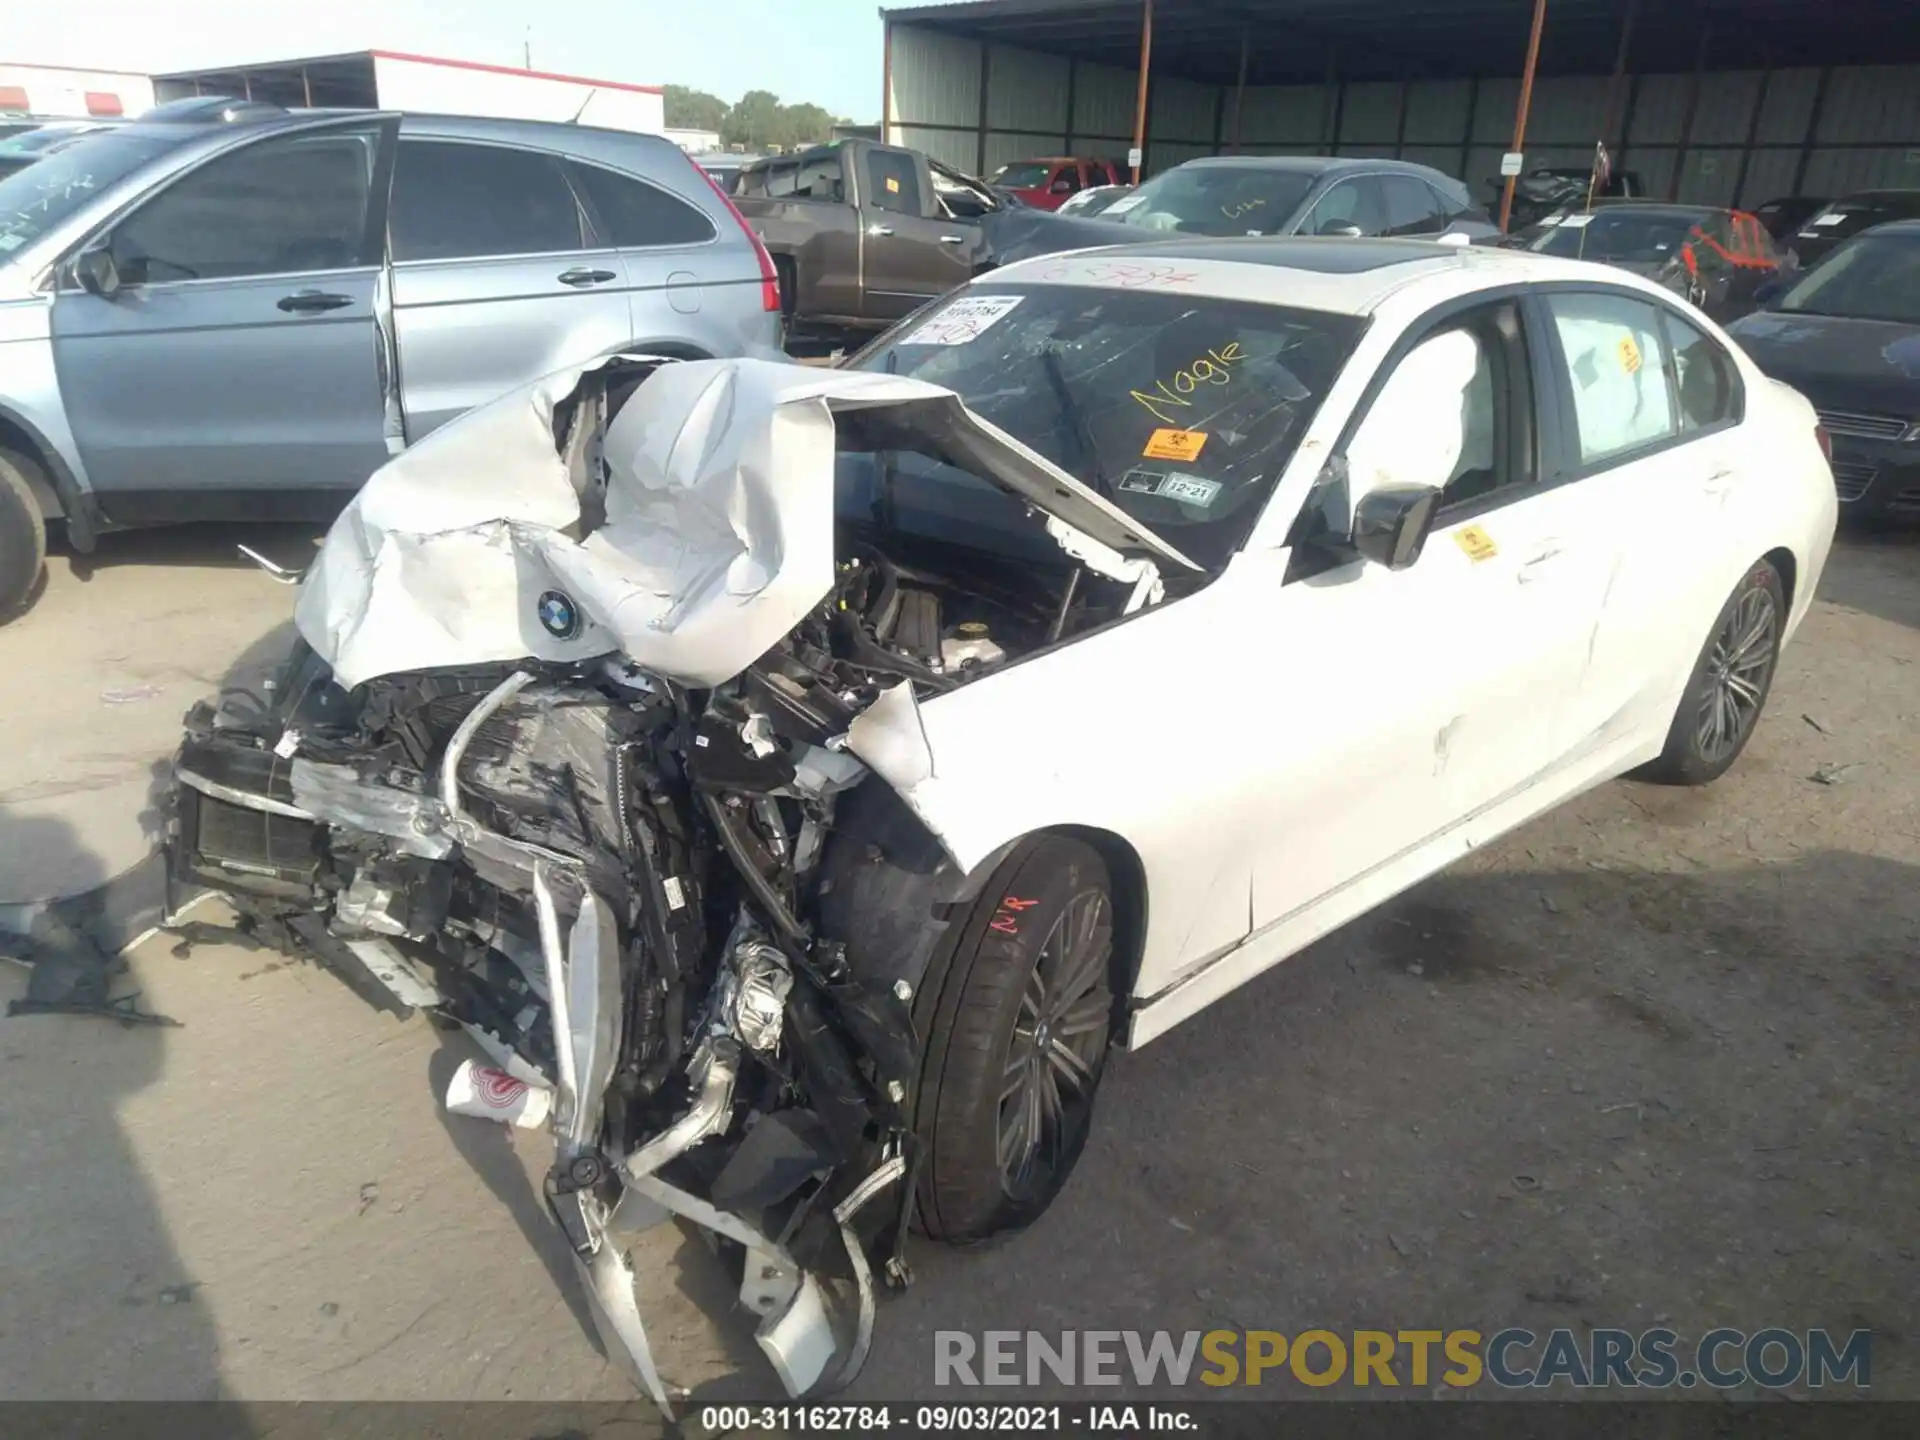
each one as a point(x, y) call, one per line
point(1545, 555)
point(1720, 482)
point(579, 277)
point(880, 230)
point(953, 239)
point(308, 302)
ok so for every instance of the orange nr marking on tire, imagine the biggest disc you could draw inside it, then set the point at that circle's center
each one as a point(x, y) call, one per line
point(1006, 919)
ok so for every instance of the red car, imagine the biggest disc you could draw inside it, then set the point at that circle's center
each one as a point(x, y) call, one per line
point(1044, 184)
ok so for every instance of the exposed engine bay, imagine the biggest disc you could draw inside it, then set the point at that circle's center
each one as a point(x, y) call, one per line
point(683, 908)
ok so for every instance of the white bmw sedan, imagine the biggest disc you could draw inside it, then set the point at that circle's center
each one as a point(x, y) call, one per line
point(868, 750)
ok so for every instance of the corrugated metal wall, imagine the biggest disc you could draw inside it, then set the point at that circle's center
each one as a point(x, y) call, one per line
point(1733, 137)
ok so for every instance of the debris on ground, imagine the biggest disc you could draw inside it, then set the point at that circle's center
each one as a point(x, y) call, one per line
point(72, 975)
point(1831, 774)
point(131, 695)
point(1816, 725)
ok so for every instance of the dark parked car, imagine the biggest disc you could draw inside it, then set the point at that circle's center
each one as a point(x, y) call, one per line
point(1718, 259)
point(1784, 217)
point(1847, 336)
point(1847, 217)
point(1259, 195)
point(1539, 193)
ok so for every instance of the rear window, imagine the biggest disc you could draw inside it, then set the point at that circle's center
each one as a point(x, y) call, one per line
point(1026, 175)
point(1181, 411)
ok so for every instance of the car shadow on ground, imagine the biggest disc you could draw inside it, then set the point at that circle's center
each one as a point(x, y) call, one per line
point(291, 545)
point(64, 1096)
point(1879, 576)
point(1583, 1097)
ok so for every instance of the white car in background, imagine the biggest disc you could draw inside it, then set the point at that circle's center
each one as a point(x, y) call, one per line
point(807, 775)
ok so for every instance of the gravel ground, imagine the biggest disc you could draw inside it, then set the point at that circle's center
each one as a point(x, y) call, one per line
point(1650, 1059)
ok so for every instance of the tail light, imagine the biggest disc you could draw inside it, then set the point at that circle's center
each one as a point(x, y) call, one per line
point(1826, 442)
point(769, 277)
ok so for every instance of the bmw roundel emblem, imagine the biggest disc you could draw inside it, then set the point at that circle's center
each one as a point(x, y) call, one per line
point(559, 616)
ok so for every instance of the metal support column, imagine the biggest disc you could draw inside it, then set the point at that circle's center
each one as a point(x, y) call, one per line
point(1753, 131)
point(986, 82)
point(1330, 114)
point(886, 81)
point(306, 86)
point(1813, 132)
point(1072, 78)
point(1520, 111)
point(1617, 79)
point(1140, 98)
point(1400, 133)
point(1466, 137)
point(1239, 94)
point(1693, 109)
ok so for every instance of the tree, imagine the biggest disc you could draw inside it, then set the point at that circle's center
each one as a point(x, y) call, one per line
point(689, 109)
point(754, 120)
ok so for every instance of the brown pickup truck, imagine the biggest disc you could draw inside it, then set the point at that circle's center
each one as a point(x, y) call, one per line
point(863, 233)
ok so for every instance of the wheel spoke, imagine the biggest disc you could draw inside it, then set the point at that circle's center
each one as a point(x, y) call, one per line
point(1013, 1137)
point(1743, 690)
point(1088, 1013)
point(1067, 1061)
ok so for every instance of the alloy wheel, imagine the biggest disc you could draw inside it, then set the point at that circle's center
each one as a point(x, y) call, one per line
point(1737, 673)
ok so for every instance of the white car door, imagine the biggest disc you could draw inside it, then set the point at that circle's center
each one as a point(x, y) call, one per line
point(1415, 698)
point(1654, 445)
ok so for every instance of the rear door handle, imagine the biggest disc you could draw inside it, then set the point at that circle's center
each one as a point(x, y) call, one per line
point(580, 278)
point(880, 230)
point(1544, 555)
point(1720, 482)
point(308, 302)
point(953, 239)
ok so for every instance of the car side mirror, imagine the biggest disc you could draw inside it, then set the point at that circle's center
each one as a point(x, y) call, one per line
point(96, 271)
point(1390, 527)
point(1061, 187)
point(1345, 229)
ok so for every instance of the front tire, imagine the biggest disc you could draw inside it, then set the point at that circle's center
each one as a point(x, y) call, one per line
point(23, 536)
point(1017, 1043)
point(1729, 685)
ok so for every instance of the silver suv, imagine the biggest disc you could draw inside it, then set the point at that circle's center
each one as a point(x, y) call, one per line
point(229, 311)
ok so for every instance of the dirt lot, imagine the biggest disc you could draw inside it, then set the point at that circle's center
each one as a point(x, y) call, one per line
point(1652, 1059)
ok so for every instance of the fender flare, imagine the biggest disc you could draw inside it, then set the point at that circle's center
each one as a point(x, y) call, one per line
point(78, 505)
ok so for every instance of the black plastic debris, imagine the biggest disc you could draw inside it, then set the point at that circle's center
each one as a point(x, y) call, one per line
point(73, 975)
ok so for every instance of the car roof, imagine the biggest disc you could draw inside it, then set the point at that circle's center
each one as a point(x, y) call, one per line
point(1910, 226)
point(1342, 276)
point(1305, 164)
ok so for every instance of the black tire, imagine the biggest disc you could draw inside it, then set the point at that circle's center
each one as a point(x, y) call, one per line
point(1729, 686)
point(23, 535)
point(983, 1036)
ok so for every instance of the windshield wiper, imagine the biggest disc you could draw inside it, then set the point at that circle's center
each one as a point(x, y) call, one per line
point(1082, 432)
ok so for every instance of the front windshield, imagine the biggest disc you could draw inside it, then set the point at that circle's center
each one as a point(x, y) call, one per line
point(1027, 175)
point(1632, 236)
point(1876, 277)
point(1181, 411)
point(34, 200)
point(1215, 200)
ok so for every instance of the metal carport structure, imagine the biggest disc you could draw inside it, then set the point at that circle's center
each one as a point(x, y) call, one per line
point(1710, 100)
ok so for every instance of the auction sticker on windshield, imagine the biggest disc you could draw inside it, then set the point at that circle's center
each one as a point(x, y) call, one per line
point(1184, 445)
point(1125, 203)
point(1187, 489)
point(967, 318)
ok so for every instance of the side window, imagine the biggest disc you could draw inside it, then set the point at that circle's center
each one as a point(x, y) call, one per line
point(1713, 242)
point(1618, 370)
point(1068, 176)
point(1351, 202)
point(455, 200)
point(1704, 378)
point(631, 213)
point(273, 207)
point(764, 182)
point(1411, 207)
point(893, 182)
point(1456, 204)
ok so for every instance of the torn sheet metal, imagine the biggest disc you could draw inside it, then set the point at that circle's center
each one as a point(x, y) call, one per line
point(474, 547)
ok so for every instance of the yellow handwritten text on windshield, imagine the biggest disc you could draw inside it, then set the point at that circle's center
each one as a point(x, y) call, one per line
point(1213, 368)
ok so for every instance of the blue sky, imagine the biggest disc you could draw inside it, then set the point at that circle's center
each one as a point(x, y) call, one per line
point(825, 51)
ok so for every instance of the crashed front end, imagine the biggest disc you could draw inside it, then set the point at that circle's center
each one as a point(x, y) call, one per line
point(597, 743)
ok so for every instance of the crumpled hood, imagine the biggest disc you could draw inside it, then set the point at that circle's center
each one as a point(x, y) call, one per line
point(718, 534)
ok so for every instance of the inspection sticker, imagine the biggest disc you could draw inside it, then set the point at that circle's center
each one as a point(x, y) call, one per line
point(893, 185)
point(1476, 542)
point(967, 318)
point(1187, 489)
point(1175, 445)
point(1629, 354)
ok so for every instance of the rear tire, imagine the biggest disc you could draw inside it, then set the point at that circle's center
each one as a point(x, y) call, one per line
point(1729, 686)
point(1017, 1043)
point(23, 535)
